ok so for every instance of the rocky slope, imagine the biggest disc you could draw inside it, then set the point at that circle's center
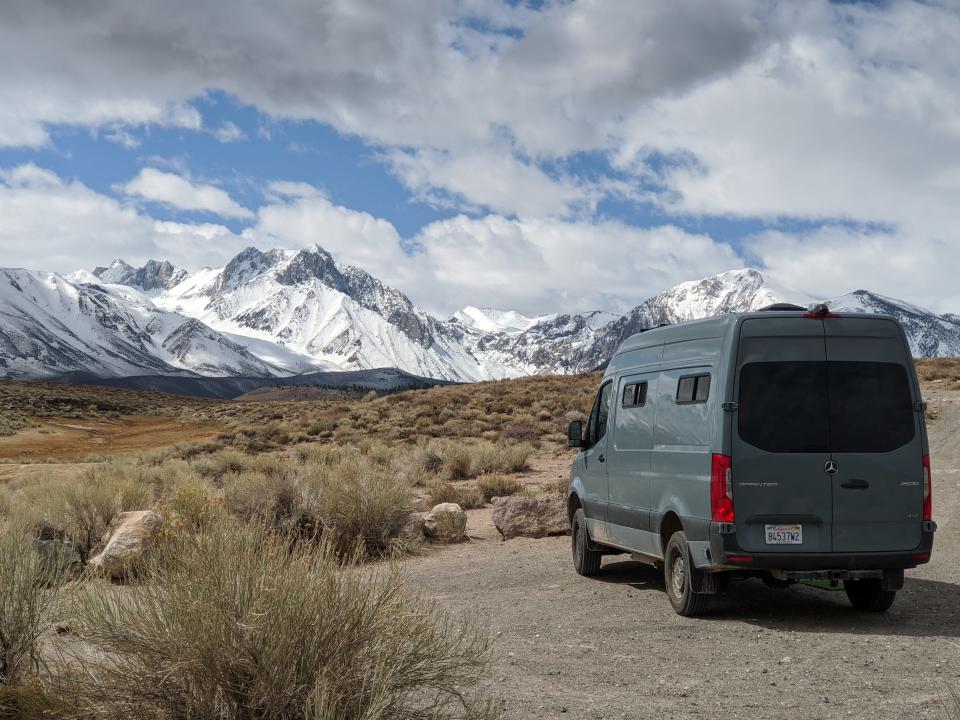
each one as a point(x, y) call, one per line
point(49, 326)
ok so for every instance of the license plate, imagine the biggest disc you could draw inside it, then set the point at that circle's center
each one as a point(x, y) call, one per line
point(784, 534)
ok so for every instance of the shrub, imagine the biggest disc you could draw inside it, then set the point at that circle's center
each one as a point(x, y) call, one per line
point(93, 502)
point(515, 457)
point(237, 624)
point(492, 486)
point(275, 500)
point(28, 588)
point(193, 505)
point(358, 504)
point(216, 465)
point(457, 462)
point(444, 492)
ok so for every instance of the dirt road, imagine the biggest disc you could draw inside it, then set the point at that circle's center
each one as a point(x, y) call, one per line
point(611, 647)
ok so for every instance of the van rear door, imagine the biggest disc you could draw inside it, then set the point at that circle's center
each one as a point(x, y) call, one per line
point(875, 437)
point(781, 439)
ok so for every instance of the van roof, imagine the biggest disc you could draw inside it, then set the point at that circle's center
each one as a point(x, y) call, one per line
point(717, 326)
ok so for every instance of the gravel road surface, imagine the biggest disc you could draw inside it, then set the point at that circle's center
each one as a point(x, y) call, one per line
point(611, 647)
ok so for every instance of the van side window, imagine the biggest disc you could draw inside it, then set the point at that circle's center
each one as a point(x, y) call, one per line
point(600, 414)
point(634, 395)
point(693, 389)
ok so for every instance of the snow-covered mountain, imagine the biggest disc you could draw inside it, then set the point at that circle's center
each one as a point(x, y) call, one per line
point(50, 326)
point(930, 335)
point(280, 311)
point(153, 276)
point(489, 320)
point(340, 315)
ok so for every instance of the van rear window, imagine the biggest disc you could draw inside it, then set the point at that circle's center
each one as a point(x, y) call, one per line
point(871, 407)
point(783, 407)
point(807, 407)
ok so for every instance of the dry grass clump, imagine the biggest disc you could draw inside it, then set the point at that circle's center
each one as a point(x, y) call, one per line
point(358, 504)
point(12, 423)
point(465, 496)
point(445, 461)
point(943, 372)
point(492, 486)
point(28, 590)
point(80, 509)
point(276, 500)
point(234, 622)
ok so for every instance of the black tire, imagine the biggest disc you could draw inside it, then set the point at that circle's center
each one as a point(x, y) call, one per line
point(866, 595)
point(585, 561)
point(677, 565)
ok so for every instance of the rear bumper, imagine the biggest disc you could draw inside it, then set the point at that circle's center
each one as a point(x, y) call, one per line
point(726, 554)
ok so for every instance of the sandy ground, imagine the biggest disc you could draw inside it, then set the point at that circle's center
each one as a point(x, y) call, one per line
point(611, 647)
point(67, 438)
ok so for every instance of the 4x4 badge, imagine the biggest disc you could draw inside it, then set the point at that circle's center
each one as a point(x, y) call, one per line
point(831, 468)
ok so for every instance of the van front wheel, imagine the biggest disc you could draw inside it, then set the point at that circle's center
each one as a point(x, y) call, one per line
point(585, 561)
point(867, 596)
point(677, 568)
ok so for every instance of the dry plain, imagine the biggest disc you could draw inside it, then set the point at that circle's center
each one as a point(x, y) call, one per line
point(610, 646)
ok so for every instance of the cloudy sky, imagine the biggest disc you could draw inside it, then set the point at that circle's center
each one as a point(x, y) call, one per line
point(571, 154)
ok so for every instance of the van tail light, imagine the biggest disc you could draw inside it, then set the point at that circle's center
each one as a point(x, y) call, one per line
point(721, 489)
point(927, 490)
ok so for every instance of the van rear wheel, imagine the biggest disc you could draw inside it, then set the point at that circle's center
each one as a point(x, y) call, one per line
point(585, 561)
point(677, 570)
point(867, 596)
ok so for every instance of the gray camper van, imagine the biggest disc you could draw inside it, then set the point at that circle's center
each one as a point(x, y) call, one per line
point(784, 444)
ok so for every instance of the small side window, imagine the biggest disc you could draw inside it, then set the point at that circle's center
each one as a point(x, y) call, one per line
point(634, 395)
point(693, 389)
point(702, 391)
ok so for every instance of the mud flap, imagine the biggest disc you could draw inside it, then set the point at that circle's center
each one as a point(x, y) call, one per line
point(704, 583)
point(892, 580)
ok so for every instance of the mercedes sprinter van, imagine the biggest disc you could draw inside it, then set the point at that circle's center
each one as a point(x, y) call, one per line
point(784, 444)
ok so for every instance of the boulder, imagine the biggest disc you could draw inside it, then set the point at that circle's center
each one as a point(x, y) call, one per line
point(535, 517)
point(446, 523)
point(128, 543)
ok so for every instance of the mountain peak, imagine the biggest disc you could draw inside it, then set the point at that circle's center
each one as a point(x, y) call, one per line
point(155, 275)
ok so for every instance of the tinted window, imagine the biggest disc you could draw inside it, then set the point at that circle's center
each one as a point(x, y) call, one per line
point(634, 395)
point(693, 389)
point(604, 415)
point(597, 425)
point(871, 407)
point(783, 407)
point(702, 391)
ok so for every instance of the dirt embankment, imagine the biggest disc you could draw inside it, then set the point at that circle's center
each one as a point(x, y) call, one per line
point(611, 647)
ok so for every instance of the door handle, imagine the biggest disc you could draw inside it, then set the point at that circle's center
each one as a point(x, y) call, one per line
point(601, 458)
point(855, 484)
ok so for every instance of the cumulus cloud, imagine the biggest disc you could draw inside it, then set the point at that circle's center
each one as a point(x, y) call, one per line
point(180, 193)
point(843, 115)
point(50, 224)
point(814, 109)
point(228, 133)
point(541, 265)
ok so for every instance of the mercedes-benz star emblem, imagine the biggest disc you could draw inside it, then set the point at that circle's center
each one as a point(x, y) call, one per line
point(830, 467)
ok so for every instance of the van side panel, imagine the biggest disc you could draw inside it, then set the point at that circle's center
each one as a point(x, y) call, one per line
point(628, 510)
point(682, 442)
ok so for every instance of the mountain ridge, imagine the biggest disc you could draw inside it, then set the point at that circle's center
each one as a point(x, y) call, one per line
point(284, 312)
